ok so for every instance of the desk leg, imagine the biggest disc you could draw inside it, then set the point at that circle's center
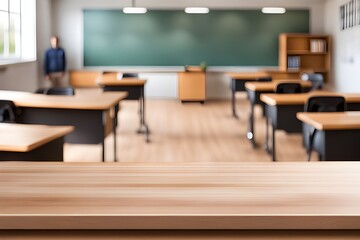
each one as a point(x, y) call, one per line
point(143, 126)
point(104, 135)
point(233, 103)
point(266, 146)
point(273, 143)
point(250, 134)
point(115, 121)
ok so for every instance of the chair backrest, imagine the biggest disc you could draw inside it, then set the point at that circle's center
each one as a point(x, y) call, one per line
point(288, 88)
point(8, 111)
point(264, 79)
point(316, 79)
point(41, 90)
point(67, 91)
point(326, 104)
point(130, 75)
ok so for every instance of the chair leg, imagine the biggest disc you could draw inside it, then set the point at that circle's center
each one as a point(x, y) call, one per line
point(311, 140)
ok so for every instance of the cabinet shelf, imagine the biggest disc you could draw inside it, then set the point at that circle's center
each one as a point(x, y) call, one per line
point(304, 52)
point(295, 51)
point(306, 69)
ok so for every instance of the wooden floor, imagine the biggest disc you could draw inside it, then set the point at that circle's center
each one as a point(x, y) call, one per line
point(189, 132)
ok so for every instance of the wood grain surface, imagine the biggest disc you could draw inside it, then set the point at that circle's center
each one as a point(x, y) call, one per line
point(296, 99)
point(248, 75)
point(83, 99)
point(26, 137)
point(311, 195)
point(271, 86)
point(331, 121)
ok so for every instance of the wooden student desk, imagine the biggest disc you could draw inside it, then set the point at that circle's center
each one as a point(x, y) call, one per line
point(316, 198)
point(255, 89)
point(238, 81)
point(91, 113)
point(338, 134)
point(135, 89)
point(281, 110)
point(32, 142)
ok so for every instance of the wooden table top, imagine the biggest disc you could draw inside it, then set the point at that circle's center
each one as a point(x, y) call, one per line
point(111, 80)
point(248, 75)
point(274, 99)
point(86, 100)
point(302, 195)
point(271, 86)
point(331, 121)
point(26, 137)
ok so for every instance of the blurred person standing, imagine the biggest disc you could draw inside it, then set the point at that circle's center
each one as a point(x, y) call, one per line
point(55, 63)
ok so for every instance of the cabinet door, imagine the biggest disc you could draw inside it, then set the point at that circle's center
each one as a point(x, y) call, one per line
point(191, 86)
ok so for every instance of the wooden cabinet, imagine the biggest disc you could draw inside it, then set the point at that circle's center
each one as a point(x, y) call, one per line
point(84, 79)
point(305, 52)
point(192, 86)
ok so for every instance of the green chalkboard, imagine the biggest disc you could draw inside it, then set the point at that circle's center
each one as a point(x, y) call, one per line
point(174, 38)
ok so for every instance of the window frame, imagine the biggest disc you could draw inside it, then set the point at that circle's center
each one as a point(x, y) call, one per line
point(28, 43)
point(17, 55)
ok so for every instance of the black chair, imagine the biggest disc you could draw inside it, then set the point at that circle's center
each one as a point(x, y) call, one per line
point(282, 88)
point(316, 79)
point(288, 88)
point(130, 75)
point(41, 90)
point(9, 113)
point(320, 104)
point(264, 79)
point(66, 91)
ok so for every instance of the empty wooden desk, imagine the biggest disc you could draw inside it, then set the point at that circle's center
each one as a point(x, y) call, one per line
point(337, 135)
point(255, 89)
point(92, 113)
point(237, 84)
point(24, 142)
point(182, 196)
point(135, 89)
point(281, 110)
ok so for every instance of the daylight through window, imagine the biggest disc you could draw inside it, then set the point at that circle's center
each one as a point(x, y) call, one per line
point(10, 28)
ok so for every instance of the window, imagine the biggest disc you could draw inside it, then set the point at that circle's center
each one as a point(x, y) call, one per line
point(17, 31)
point(10, 28)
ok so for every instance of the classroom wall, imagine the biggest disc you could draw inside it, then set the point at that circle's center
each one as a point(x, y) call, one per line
point(20, 77)
point(25, 76)
point(68, 24)
point(44, 32)
point(346, 49)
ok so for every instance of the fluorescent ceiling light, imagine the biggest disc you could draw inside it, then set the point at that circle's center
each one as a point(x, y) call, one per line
point(134, 10)
point(273, 10)
point(197, 10)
